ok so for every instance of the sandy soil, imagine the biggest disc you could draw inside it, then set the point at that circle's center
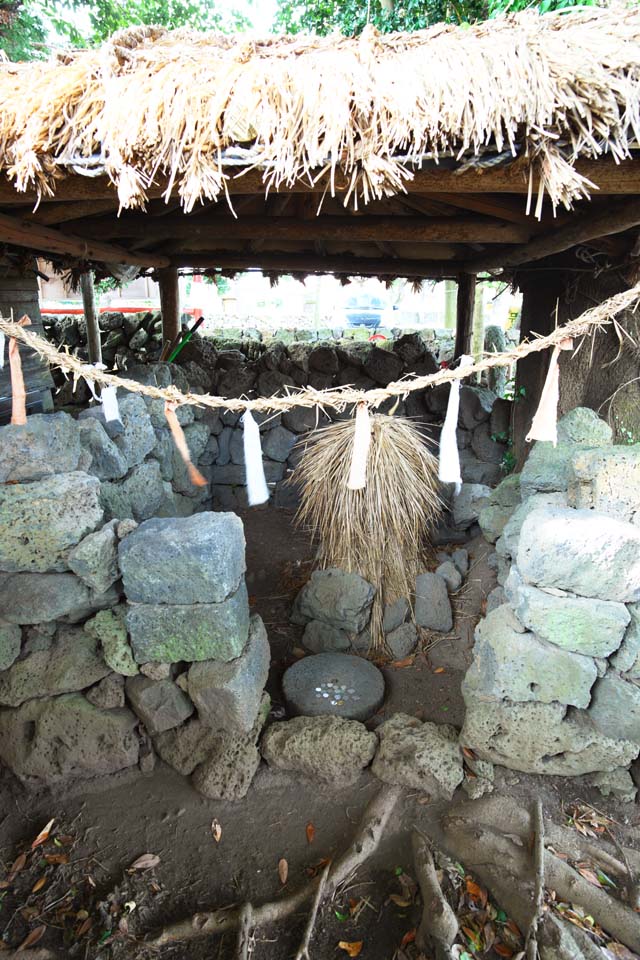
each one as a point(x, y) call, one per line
point(160, 813)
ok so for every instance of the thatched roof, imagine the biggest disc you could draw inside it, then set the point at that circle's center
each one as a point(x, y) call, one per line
point(185, 108)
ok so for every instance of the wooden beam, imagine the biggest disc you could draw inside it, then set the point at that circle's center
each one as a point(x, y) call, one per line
point(343, 265)
point(610, 178)
point(514, 211)
point(464, 313)
point(615, 219)
point(59, 212)
point(22, 233)
point(90, 307)
point(169, 303)
point(349, 229)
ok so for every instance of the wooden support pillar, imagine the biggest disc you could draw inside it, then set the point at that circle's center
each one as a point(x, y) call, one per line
point(464, 313)
point(90, 307)
point(169, 303)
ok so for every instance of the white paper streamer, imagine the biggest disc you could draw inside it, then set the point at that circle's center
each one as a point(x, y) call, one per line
point(361, 442)
point(1, 349)
point(110, 408)
point(257, 489)
point(544, 425)
point(449, 462)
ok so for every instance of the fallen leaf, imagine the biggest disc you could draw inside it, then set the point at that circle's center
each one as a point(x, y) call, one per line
point(399, 901)
point(38, 885)
point(82, 914)
point(311, 832)
point(476, 892)
point(18, 865)
point(32, 938)
point(29, 913)
point(341, 916)
point(407, 662)
point(409, 937)
point(57, 858)
point(439, 670)
point(84, 927)
point(317, 867)
point(216, 830)
point(43, 836)
point(146, 862)
point(469, 754)
point(589, 876)
point(513, 927)
point(283, 870)
point(502, 950)
point(299, 653)
point(352, 948)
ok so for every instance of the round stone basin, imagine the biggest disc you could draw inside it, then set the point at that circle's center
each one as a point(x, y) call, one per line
point(333, 684)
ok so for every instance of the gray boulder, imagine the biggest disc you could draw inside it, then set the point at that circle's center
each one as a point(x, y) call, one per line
point(108, 694)
point(72, 663)
point(38, 597)
point(328, 749)
point(108, 628)
point(234, 474)
point(510, 665)
point(198, 559)
point(95, 559)
point(184, 747)
point(41, 521)
point(485, 447)
point(541, 738)
point(615, 783)
point(501, 503)
point(475, 406)
point(451, 575)
point(581, 552)
point(584, 625)
point(107, 462)
point(460, 558)
point(341, 599)
point(432, 606)
point(66, 738)
point(138, 437)
point(507, 543)
point(138, 497)
point(615, 707)
point(320, 637)
point(423, 756)
point(113, 428)
point(231, 762)
point(608, 481)
point(227, 695)
point(469, 503)
point(473, 470)
point(548, 468)
point(160, 704)
point(383, 366)
point(10, 641)
point(48, 443)
point(583, 425)
point(395, 614)
point(402, 641)
point(164, 450)
point(495, 599)
point(201, 631)
point(197, 437)
point(627, 659)
point(278, 443)
point(303, 419)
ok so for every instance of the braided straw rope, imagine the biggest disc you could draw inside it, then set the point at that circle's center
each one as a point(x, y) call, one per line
point(587, 324)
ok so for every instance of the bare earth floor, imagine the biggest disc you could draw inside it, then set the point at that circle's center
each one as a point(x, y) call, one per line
point(160, 813)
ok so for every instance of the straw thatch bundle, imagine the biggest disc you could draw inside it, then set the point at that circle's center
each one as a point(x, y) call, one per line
point(381, 532)
point(152, 103)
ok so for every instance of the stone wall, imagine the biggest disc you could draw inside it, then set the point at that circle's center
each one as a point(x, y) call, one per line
point(553, 687)
point(119, 639)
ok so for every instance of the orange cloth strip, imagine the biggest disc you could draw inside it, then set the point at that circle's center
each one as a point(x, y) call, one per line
point(18, 391)
point(181, 443)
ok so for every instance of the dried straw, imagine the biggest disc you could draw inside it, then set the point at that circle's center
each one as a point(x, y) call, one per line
point(380, 532)
point(187, 107)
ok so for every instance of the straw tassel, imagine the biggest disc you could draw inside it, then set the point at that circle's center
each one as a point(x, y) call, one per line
point(361, 442)
point(179, 439)
point(544, 425)
point(449, 462)
point(18, 391)
point(257, 489)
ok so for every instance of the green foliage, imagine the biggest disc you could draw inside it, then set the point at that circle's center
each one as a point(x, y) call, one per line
point(22, 33)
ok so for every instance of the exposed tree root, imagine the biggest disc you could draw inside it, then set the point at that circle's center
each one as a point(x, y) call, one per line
point(303, 949)
point(531, 943)
point(366, 840)
point(439, 925)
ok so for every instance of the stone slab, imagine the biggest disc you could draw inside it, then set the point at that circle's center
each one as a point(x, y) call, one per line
point(334, 596)
point(333, 684)
point(432, 606)
point(45, 445)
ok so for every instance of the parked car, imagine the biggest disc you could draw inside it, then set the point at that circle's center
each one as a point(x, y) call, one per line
point(365, 310)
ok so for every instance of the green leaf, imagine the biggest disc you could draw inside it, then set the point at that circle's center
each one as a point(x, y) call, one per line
point(398, 871)
point(501, 916)
point(341, 916)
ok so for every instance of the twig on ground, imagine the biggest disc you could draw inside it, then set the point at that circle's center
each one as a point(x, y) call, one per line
point(439, 926)
point(303, 949)
point(531, 941)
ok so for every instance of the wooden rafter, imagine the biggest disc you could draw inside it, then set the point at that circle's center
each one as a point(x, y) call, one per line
point(344, 265)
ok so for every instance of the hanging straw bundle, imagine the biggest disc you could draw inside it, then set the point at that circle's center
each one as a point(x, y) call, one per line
point(381, 531)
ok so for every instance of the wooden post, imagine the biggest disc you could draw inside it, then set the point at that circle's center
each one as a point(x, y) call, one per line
point(169, 303)
point(90, 307)
point(477, 335)
point(464, 313)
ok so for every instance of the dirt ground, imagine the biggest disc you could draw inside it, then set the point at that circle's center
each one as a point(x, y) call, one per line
point(101, 830)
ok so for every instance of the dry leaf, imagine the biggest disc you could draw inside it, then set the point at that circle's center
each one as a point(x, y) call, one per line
point(513, 927)
point(409, 937)
point(439, 670)
point(146, 862)
point(590, 876)
point(407, 662)
point(32, 938)
point(84, 927)
point(311, 832)
point(317, 867)
point(43, 836)
point(299, 653)
point(29, 913)
point(283, 870)
point(38, 885)
point(399, 901)
point(216, 830)
point(469, 754)
point(57, 858)
point(476, 892)
point(18, 864)
point(352, 948)
point(502, 950)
